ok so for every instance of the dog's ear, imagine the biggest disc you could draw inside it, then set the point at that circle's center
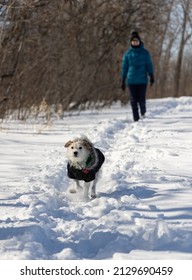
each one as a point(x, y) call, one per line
point(86, 145)
point(68, 144)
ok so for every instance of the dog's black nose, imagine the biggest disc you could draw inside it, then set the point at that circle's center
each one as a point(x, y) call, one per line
point(75, 154)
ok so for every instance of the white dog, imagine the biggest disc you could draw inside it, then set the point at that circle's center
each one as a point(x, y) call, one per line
point(84, 163)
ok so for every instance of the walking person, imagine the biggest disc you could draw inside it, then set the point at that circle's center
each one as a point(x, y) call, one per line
point(137, 66)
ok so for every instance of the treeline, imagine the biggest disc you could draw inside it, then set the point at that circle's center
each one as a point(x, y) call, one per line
point(66, 54)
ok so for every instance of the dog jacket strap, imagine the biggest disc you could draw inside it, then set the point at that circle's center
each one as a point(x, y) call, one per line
point(89, 160)
point(78, 174)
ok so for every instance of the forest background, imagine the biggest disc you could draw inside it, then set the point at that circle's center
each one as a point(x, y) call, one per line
point(61, 55)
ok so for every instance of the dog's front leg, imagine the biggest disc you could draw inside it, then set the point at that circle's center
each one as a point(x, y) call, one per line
point(86, 190)
point(76, 187)
point(93, 189)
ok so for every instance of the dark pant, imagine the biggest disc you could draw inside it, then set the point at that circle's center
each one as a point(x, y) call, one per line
point(138, 99)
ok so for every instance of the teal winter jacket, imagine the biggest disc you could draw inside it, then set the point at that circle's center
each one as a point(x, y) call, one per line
point(136, 66)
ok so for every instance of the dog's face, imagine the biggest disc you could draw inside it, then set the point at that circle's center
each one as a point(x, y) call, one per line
point(77, 151)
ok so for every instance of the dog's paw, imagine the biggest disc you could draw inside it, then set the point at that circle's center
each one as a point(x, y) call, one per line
point(72, 190)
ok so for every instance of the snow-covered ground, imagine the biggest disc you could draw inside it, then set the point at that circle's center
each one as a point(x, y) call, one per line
point(144, 204)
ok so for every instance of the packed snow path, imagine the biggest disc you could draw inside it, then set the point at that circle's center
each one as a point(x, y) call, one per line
point(143, 209)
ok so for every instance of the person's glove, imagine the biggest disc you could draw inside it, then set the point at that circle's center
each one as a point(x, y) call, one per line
point(152, 80)
point(123, 85)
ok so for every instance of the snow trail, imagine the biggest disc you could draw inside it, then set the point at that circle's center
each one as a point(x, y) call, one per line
point(135, 215)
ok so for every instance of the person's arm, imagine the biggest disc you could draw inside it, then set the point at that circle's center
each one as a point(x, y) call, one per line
point(150, 70)
point(125, 67)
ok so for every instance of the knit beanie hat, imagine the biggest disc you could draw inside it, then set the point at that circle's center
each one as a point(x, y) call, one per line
point(135, 35)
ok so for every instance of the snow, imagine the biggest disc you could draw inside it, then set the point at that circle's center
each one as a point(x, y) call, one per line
point(143, 209)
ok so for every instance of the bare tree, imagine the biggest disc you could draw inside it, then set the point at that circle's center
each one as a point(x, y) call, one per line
point(67, 53)
point(185, 8)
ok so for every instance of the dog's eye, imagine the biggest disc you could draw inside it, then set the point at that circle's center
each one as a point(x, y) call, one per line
point(80, 148)
point(72, 147)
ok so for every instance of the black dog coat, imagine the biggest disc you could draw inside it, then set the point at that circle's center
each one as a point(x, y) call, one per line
point(93, 164)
